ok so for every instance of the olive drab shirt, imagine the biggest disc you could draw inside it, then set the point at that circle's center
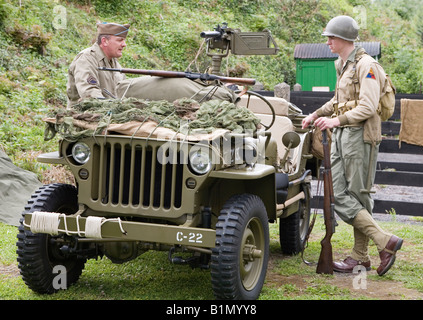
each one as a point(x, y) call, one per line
point(365, 94)
point(86, 81)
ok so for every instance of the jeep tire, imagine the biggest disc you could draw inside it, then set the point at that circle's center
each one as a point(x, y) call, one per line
point(293, 229)
point(39, 253)
point(239, 260)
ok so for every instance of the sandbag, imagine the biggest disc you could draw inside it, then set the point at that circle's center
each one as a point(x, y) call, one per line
point(171, 89)
point(16, 187)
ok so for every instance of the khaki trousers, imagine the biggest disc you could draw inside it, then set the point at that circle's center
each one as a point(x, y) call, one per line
point(350, 161)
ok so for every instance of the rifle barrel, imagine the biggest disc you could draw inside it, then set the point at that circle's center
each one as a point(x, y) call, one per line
point(179, 74)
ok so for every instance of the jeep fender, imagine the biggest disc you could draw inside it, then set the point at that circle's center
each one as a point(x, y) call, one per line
point(258, 180)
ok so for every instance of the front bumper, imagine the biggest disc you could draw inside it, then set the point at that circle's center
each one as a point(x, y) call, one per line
point(114, 228)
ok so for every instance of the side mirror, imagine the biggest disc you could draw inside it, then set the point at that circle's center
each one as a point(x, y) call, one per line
point(290, 140)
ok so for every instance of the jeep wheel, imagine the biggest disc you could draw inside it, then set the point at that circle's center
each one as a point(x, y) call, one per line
point(293, 229)
point(39, 253)
point(239, 260)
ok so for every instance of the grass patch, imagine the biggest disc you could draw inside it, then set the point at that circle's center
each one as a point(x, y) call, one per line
point(152, 277)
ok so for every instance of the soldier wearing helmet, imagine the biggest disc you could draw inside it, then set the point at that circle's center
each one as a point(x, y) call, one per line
point(343, 27)
point(353, 115)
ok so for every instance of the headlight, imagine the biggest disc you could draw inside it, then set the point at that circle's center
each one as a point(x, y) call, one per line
point(81, 152)
point(246, 152)
point(250, 151)
point(200, 161)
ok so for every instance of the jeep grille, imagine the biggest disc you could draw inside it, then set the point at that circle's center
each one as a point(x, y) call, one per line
point(131, 174)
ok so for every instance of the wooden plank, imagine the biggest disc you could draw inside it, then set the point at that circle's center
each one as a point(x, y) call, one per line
point(392, 146)
point(391, 128)
point(400, 166)
point(401, 178)
point(401, 207)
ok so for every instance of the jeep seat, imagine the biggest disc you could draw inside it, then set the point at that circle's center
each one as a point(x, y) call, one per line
point(257, 105)
point(282, 183)
point(282, 123)
point(279, 128)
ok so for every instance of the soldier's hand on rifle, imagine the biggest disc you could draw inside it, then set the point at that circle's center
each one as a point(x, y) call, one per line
point(323, 123)
point(326, 123)
point(309, 119)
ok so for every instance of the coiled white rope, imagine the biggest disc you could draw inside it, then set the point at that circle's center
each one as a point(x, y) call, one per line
point(48, 222)
point(93, 227)
point(45, 222)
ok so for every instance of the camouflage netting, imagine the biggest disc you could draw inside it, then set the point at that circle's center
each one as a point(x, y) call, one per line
point(93, 116)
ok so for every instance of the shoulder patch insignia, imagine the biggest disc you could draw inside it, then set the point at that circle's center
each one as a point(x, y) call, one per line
point(371, 74)
point(92, 80)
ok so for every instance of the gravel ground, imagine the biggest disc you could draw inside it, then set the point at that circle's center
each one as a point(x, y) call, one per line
point(398, 193)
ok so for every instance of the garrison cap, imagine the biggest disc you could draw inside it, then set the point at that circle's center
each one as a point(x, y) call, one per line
point(114, 29)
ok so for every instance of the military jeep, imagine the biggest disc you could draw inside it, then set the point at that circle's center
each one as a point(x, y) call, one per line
point(212, 196)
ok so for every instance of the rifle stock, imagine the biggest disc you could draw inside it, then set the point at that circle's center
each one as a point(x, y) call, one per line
point(179, 74)
point(325, 264)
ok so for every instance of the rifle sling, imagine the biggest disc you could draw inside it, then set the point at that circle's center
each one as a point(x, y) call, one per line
point(311, 226)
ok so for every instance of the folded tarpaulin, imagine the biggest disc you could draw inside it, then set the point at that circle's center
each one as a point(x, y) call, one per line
point(411, 122)
point(16, 187)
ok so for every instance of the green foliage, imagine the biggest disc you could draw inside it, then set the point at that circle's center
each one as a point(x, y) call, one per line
point(3, 12)
point(35, 54)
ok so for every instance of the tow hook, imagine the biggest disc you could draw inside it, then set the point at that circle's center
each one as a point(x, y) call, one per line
point(195, 261)
point(179, 260)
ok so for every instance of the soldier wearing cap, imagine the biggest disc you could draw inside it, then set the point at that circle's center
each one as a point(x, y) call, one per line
point(84, 78)
point(353, 115)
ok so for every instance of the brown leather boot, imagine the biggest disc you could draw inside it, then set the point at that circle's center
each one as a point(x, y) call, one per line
point(348, 265)
point(387, 255)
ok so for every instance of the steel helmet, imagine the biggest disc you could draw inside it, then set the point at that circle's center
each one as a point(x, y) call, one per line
point(343, 27)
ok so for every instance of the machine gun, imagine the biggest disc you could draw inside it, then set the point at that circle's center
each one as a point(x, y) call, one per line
point(325, 264)
point(224, 39)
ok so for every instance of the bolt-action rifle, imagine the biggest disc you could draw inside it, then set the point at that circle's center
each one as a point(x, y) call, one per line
point(180, 74)
point(325, 264)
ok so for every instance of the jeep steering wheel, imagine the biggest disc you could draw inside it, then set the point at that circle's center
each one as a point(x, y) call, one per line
point(252, 93)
